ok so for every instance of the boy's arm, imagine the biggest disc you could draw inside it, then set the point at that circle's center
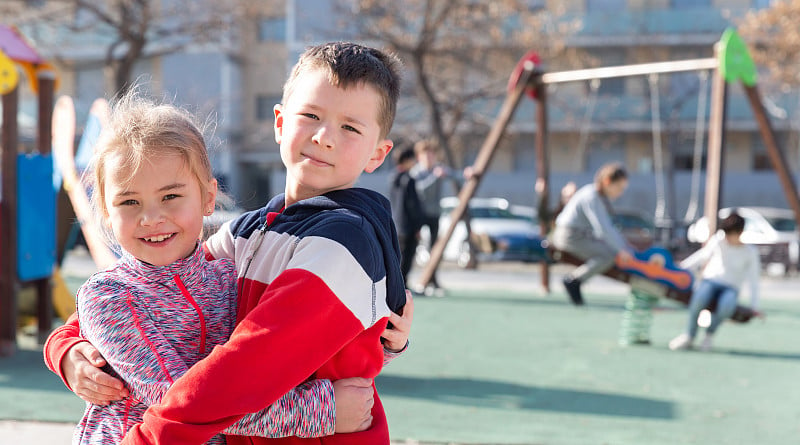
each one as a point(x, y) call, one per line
point(58, 344)
point(396, 337)
point(277, 345)
point(148, 362)
point(79, 364)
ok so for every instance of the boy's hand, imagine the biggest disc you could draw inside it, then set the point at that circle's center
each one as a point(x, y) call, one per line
point(397, 336)
point(354, 400)
point(81, 369)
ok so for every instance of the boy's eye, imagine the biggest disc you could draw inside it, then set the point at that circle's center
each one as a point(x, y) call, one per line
point(128, 202)
point(350, 128)
point(310, 115)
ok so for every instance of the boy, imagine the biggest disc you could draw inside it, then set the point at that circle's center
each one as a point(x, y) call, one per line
point(318, 266)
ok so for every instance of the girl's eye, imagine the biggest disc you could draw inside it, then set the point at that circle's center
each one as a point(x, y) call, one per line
point(349, 128)
point(128, 202)
point(171, 196)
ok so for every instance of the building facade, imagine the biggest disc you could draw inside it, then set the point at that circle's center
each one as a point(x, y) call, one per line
point(654, 124)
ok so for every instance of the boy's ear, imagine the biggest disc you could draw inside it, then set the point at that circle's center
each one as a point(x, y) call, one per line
point(378, 156)
point(278, 110)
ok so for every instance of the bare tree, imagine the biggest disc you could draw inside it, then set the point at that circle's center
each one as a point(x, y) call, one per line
point(131, 29)
point(774, 38)
point(461, 52)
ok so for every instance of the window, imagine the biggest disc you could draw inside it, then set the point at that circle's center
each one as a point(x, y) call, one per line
point(690, 4)
point(761, 160)
point(606, 5)
point(264, 106)
point(272, 29)
point(604, 58)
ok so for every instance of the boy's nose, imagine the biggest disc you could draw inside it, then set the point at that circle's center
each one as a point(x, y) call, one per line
point(322, 137)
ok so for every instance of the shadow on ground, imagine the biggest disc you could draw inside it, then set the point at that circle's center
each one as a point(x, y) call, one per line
point(492, 394)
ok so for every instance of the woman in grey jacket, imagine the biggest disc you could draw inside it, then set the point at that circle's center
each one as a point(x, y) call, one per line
point(584, 228)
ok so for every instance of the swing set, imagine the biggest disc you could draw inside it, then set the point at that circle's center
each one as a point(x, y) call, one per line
point(731, 63)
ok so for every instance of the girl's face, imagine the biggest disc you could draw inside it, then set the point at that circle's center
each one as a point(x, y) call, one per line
point(157, 215)
point(614, 190)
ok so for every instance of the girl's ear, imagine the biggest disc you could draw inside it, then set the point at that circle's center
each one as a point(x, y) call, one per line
point(210, 196)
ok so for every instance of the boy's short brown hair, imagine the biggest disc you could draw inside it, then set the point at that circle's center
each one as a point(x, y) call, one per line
point(350, 64)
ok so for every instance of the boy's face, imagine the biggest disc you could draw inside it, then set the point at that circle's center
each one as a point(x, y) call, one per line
point(328, 136)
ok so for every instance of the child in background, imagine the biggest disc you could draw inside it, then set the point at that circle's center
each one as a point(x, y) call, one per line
point(406, 208)
point(725, 263)
point(318, 266)
point(162, 307)
point(584, 228)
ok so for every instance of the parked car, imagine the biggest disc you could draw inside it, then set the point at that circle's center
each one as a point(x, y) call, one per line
point(499, 232)
point(636, 227)
point(772, 230)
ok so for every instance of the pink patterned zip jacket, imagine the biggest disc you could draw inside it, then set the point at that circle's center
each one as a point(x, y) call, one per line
point(153, 323)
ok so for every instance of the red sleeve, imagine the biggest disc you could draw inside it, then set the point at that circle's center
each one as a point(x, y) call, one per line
point(278, 345)
point(59, 342)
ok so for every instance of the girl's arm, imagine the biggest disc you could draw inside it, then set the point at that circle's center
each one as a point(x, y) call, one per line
point(596, 213)
point(701, 256)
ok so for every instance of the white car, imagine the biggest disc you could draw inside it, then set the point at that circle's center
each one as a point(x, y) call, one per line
point(773, 230)
point(499, 232)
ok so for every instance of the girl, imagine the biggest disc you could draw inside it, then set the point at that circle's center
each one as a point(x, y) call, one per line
point(584, 228)
point(162, 307)
point(726, 263)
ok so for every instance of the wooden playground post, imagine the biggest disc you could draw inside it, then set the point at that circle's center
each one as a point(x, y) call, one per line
point(481, 164)
point(44, 141)
point(716, 143)
point(543, 173)
point(8, 233)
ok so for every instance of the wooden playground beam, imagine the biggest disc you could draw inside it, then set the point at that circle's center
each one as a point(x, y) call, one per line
point(479, 168)
point(774, 152)
point(640, 69)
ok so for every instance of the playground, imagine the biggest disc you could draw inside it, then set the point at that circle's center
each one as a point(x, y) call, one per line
point(498, 361)
point(503, 358)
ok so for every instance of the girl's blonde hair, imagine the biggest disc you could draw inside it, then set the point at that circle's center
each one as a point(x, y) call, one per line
point(139, 129)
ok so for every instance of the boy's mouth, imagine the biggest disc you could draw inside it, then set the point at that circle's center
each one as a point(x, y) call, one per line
point(158, 238)
point(316, 161)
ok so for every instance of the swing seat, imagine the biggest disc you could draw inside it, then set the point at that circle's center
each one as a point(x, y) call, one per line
point(742, 314)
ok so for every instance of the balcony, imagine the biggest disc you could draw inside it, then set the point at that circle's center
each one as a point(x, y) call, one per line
point(663, 27)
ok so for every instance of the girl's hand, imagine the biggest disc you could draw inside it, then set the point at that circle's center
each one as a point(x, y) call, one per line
point(354, 399)
point(623, 256)
point(397, 336)
point(81, 369)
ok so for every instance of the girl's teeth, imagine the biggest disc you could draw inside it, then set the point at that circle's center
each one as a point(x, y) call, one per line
point(158, 239)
